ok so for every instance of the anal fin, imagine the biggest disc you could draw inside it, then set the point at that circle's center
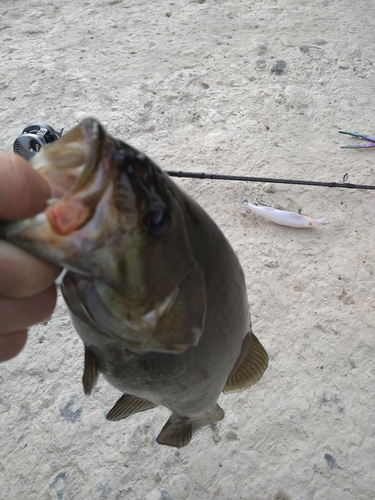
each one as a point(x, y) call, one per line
point(251, 364)
point(128, 405)
point(90, 371)
point(178, 431)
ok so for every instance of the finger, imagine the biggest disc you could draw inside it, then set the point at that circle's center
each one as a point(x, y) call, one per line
point(23, 192)
point(23, 274)
point(11, 344)
point(18, 314)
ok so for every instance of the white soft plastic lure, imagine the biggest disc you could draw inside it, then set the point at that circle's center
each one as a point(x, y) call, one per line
point(283, 217)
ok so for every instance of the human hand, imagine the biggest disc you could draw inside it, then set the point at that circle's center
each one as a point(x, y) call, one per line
point(27, 290)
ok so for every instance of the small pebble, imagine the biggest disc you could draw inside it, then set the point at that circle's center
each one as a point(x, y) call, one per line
point(304, 475)
point(109, 435)
point(159, 494)
point(235, 419)
point(262, 47)
point(104, 488)
point(343, 65)
point(106, 98)
point(269, 188)
point(261, 63)
point(180, 486)
point(331, 461)
point(278, 67)
point(70, 408)
point(231, 436)
point(58, 484)
point(227, 487)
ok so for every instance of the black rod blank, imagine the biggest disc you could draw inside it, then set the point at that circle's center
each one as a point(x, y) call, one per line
point(195, 175)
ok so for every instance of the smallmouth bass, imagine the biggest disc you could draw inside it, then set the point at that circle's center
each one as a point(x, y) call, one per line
point(154, 289)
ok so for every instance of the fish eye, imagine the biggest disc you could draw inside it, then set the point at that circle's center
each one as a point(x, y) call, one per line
point(158, 222)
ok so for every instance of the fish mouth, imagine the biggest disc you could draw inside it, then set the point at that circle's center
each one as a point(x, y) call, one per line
point(78, 167)
point(80, 170)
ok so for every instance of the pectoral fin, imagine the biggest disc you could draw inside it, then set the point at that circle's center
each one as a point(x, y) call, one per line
point(178, 431)
point(90, 372)
point(128, 405)
point(251, 364)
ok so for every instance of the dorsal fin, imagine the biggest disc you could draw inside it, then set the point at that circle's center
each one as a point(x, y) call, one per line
point(251, 364)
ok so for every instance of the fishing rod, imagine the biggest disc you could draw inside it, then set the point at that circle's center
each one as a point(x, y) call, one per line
point(36, 135)
point(194, 175)
point(370, 143)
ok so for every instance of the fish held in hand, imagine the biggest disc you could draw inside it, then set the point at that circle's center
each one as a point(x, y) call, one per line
point(154, 289)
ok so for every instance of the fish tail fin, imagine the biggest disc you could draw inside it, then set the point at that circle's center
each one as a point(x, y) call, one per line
point(251, 364)
point(128, 405)
point(178, 431)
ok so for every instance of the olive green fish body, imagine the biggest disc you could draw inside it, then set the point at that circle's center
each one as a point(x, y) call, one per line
point(154, 289)
point(188, 383)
